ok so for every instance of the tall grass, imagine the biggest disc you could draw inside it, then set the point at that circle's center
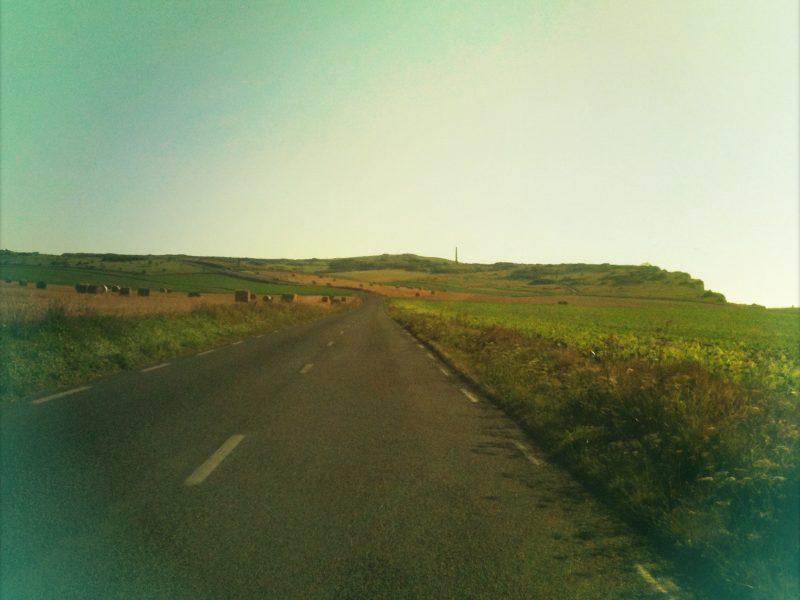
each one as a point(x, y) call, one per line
point(61, 348)
point(706, 460)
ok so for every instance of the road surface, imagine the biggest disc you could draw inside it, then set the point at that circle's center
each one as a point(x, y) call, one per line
point(337, 459)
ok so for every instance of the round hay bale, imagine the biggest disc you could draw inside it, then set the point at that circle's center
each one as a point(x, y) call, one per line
point(115, 289)
point(41, 285)
point(324, 299)
point(194, 294)
point(23, 283)
point(163, 290)
point(143, 292)
point(91, 288)
point(288, 297)
point(253, 296)
point(124, 291)
point(82, 288)
point(267, 298)
point(241, 295)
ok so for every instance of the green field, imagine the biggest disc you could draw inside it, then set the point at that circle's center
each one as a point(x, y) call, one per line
point(179, 274)
point(684, 416)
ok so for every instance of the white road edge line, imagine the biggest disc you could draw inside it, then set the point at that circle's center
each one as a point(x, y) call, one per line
point(213, 461)
point(206, 352)
point(469, 395)
point(148, 369)
point(652, 581)
point(431, 356)
point(307, 368)
point(527, 453)
point(237, 343)
point(60, 395)
point(421, 346)
point(330, 343)
point(260, 336)
point(444, 371)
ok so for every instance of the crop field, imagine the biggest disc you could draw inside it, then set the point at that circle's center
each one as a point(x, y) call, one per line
point(28, 303)
point(178, 275)
point(684, 416)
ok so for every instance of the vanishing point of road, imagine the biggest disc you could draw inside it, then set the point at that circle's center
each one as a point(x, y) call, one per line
point(336, 459)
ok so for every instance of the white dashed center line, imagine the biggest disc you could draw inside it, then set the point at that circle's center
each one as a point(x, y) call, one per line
point(444, 371)
point(341, 332)
point(469, 395)
point(204, 470)
point(431, 356)
point(527, 453)
point(307, 368)
point(237, 343)
point(330, 344)
point(421, 346)
point(206, 352)
point(60, 395)
point(148, 369)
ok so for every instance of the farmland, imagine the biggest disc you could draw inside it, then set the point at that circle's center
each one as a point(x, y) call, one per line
point(175, 273)
point(684, 416)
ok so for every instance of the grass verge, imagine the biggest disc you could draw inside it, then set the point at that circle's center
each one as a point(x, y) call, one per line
point(704, 462)
point(61, 349)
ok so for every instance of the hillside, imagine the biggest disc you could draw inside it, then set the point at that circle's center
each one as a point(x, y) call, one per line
point(399, 271)
point(501, 279)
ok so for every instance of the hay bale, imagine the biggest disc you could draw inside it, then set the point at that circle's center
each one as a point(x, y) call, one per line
point(194, 294)
point(252, 296)
point(115, 289)
point(267, 298)
point(163, 290)
point(124, 291)
point(41, 285)
point(241, 295)
point(91, 288)
point(8, 281)
point(288, 297)
point(324, 299)
point(143, 291)
point(562, 302)
point(23, 283)
point(416, 294)
point(82, 288)
point(343, 299)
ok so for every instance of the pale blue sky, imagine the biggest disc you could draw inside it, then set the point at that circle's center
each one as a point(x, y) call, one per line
point(554, 131)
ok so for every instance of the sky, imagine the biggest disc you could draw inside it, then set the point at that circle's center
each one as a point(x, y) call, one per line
point(550, 131)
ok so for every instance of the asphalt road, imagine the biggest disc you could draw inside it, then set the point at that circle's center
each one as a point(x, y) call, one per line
point(336, 459)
